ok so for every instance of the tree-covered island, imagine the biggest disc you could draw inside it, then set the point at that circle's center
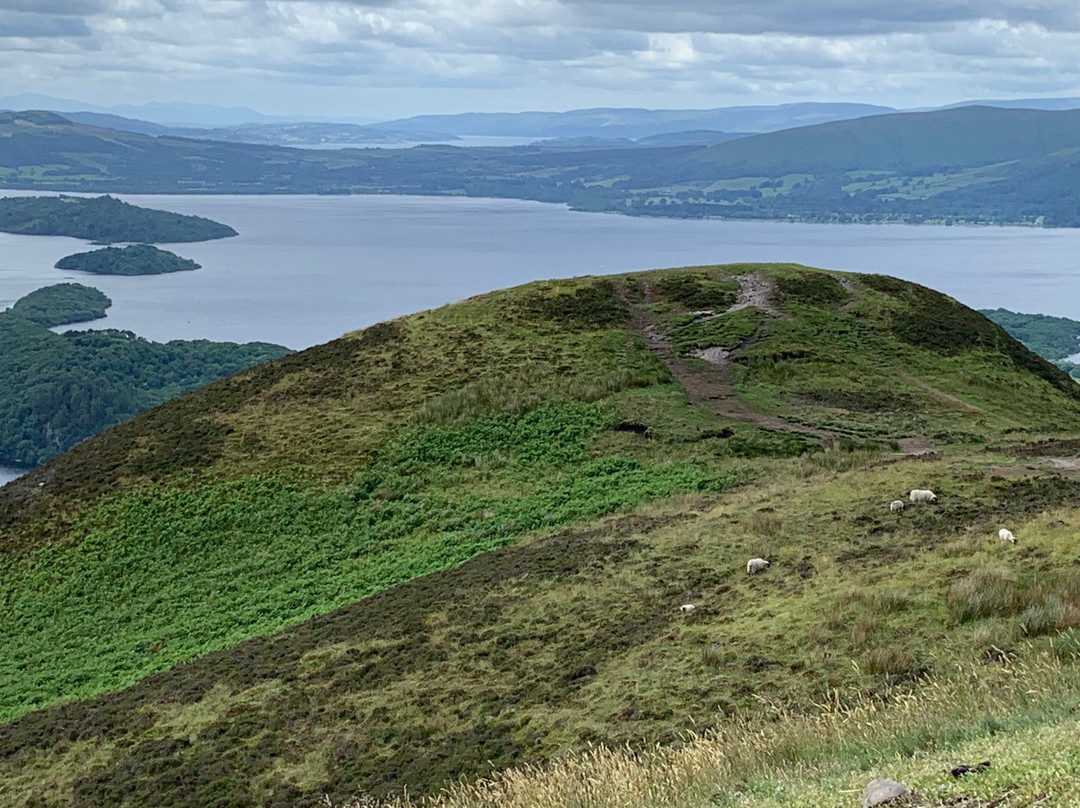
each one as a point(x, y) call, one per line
point(135, 259)
point(61, 304)
point(103, 219)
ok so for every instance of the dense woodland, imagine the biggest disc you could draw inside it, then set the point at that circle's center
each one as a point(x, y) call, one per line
point(103, 219)
point(135, 259)
point(61, 304)
point(1053, 338)
point(62, 388)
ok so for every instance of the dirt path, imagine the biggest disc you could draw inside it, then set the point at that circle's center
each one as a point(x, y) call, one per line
point(959, 402)
point(713, 388)
point(756, 290)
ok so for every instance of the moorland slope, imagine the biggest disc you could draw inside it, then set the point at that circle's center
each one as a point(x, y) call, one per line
point(459, 540)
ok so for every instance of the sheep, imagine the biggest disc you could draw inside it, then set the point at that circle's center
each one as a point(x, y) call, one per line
point(686, 608)
point(1006, 535)
point(922, 495)
point(756, 565)
point(896, 505)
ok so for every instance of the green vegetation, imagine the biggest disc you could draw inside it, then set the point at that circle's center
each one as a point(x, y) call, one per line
point(135, 259)
point(102, 219)
point(458, 542)
point(1053, 338)
point(965, 165)
point(61, 304)
point(62, 388)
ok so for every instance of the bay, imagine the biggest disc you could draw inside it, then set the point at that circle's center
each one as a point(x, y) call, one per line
point(306, 269)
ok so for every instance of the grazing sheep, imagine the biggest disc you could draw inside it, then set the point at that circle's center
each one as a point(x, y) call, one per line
point(1006, 535)
point(922, 495)
point(686, 608)
point(755, 565)
point(896, 505)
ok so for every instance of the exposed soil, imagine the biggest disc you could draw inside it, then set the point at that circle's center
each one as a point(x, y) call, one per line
point(713, 388)
point(756, 290)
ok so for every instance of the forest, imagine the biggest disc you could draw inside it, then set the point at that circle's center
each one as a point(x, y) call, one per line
point(63, 388)
point(135, 259)
point(103, 219)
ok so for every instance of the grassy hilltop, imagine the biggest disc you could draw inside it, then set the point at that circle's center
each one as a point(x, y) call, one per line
point(458, 541)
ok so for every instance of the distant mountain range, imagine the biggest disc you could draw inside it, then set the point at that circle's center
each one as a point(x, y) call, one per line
point(244, 125)
point(168, 114)
point(964, 165)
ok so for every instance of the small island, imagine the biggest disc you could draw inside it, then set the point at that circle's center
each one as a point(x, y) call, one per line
point(103, 219)
point(136, 259)
point(62, 304)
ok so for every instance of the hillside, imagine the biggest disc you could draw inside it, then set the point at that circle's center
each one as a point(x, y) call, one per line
point(967, 165)
point(459, 541)
point(635, 123)
point(1053, 338)
point(955, 138)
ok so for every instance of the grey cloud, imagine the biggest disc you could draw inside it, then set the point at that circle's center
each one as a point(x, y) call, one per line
point(834, 17)
point(68, 8)
point(17, 24)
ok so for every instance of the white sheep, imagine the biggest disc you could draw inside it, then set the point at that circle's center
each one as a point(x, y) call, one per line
point(896, 505)
point(686, 608)
point(922, 495)
point(1006, 535)
point(755, 565)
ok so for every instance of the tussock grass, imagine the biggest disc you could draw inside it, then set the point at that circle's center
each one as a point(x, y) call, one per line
point(772, 756)
point(1043, 604)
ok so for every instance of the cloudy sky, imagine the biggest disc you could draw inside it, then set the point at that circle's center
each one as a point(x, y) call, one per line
point(390, 58)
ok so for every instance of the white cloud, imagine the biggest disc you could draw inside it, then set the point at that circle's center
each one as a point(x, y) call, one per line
point(534, 53)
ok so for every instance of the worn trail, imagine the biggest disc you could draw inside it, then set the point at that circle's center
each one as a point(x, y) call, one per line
point(713, 388)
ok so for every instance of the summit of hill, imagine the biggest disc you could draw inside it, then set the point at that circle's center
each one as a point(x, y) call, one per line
point(459, 541)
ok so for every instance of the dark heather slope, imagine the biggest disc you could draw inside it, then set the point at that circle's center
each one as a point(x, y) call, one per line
point(459, 540)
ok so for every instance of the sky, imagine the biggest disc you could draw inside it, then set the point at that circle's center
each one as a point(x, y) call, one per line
point(393, 58)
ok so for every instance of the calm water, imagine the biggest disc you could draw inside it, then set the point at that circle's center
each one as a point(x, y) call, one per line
point(306, 269)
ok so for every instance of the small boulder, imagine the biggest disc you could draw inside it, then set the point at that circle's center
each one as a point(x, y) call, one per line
point(882, 792)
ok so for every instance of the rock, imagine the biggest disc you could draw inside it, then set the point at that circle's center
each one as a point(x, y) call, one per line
point(881, 791)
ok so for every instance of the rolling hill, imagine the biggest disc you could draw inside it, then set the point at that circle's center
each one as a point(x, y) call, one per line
point(954, 138)
point(969, 165)
point(459, 541)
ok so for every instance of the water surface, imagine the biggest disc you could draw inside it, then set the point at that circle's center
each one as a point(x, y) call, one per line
point(9, 473)
point(306, 269)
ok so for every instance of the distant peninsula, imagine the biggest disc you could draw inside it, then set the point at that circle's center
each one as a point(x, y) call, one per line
point(136, 259)
point(104, 219)
point(62, 304)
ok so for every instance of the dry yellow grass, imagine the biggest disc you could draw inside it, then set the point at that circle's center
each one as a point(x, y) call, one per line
point(1019, 713)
